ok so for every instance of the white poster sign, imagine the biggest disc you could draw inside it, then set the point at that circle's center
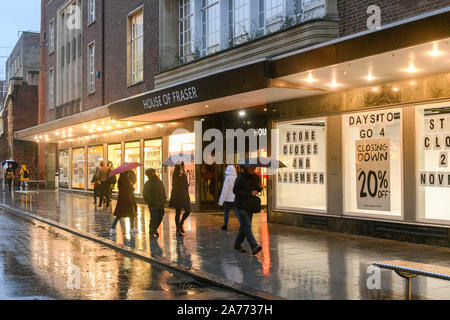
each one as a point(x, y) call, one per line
point(373, 174)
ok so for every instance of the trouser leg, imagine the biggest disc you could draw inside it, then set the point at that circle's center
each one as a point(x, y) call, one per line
point(153, 220)
point(246, 228)
point(116, 220)
point(226, 213)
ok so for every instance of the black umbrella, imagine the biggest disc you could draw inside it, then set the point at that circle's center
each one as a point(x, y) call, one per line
point(6, 163)
point(175, 159)
point(262, 162)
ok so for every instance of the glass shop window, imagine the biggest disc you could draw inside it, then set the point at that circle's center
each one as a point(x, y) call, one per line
point(95, 155)
point(64, 167)
point(78, 168)
point(153, 156)
point(302, 148)
point(133, 154)
point(372, 155)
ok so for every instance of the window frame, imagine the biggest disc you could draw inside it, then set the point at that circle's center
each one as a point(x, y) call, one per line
point(92, 12)
point(134, 74)
point(51, 36)
point(91, 67)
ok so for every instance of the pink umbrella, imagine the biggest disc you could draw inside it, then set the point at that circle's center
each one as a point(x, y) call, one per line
point(124, 168)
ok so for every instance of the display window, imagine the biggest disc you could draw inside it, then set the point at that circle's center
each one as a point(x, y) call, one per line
point(301, 146)
point(115, 156)
point(64, 168)
point(185, 144)
point(95, 156)
point(78, 168)
point(133, 154)
point(433, 169)
point(372, 159)
point(153, 156)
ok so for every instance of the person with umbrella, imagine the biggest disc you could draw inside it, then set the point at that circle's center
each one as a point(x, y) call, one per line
point(10, 175)
point(179, 198)
point(126, 203)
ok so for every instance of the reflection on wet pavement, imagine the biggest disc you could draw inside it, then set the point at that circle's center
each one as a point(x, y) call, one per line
point(295, 263)
point(38, 262)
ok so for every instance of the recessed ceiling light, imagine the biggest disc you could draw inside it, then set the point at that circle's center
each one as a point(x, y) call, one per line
point(334, 84)
point(435, 52)
point(395, 89)
point(375, 89)
point(206, 106)
point(310, 78)
point(370, 77)
point(242, 113)
point(412, 68)
point(412, 83)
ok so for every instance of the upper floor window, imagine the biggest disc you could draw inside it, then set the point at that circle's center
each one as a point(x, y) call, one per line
point(136, 47)
point(51, 36)
point(274, 12)
point(91, 15)
point(51, 88)
point(239, 20)
point(186, 14)
point(210, 26)
point(91, 68)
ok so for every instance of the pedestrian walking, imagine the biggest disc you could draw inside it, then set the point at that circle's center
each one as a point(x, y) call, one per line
point(102, 177)
point(9, 176)
point(179, 198)
point(247, 203)
point(155, 197)
point(96, 183)
point(24, 177)
point(126, 203)
point(111, 183)
point(227, 196)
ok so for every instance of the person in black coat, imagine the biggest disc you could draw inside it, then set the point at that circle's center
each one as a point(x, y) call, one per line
point(155, 197)
point(246, 202)
point(179, 198)
point(9, 176)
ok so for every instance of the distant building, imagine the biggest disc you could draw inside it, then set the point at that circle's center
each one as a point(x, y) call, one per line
point(19, 101)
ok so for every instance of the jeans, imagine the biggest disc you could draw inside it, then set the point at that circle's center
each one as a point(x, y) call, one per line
point(104, 191)
point(245, 231)
point(156, 217)
point(227, 206)
point(117, 219)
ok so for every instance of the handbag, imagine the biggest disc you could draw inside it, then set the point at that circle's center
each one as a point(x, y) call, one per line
point(254, 204)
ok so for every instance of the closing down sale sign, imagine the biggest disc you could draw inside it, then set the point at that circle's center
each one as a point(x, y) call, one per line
point(373, 174)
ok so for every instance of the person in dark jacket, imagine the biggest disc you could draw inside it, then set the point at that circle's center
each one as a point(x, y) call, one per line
point(126, 203)
point(179, 198)
point(9, 176)
point(247, 186)
point(155, 197)
point(111, 183)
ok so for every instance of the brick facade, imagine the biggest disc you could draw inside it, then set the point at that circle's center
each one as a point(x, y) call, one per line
point(21, 112)
point(109, 32)
point(353, 13)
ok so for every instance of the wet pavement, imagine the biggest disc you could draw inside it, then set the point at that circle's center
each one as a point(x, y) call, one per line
point(295, 263)
point(39, 262)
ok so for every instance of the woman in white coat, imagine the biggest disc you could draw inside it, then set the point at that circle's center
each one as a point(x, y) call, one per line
point(227, 196)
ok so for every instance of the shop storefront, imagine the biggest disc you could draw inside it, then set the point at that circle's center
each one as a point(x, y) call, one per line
point(362, 124)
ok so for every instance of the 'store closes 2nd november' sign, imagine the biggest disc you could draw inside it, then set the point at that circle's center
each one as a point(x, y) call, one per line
point(373, 174)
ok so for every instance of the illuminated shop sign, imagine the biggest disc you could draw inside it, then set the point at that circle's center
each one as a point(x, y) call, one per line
point(164, 100)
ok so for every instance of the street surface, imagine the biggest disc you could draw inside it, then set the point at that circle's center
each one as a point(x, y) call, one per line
point(39, 262)
point(295, 263)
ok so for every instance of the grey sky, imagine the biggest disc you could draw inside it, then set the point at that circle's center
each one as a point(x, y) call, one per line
point(15, 16)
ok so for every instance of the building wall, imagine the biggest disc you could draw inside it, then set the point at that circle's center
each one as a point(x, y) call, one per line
point(353, 13)
point(116, 20)
point(27, 51)
point(109, 32)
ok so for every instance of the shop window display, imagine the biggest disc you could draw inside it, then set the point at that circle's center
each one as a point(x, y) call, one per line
point(78, 168)
point(185, 144)
point(95, 155)
point(302, 148)
point(433, 149)
point(64, 167)
point(153, 156)
point(372, 155)
point(133, 154)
